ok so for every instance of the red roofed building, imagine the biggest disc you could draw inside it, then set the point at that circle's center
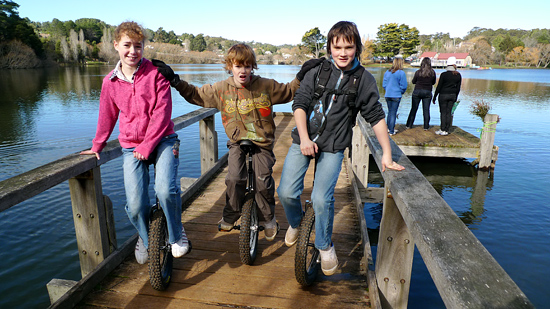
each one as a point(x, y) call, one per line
point(440, 60)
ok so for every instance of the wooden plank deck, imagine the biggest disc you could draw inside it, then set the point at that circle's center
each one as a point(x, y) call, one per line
point(212, 274)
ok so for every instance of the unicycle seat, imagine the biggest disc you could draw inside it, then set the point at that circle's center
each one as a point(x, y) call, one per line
point(246, 145)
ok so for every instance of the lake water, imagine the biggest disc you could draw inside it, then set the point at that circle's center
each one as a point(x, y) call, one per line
point(48, 114)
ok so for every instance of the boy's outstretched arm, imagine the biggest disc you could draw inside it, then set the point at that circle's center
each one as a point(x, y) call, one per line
point(381, 132)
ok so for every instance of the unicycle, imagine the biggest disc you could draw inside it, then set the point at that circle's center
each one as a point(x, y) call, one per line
point(249, 227)
point(160, 250)
point(307, 259)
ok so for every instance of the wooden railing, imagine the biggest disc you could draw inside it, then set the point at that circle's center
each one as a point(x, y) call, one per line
point(464, 272)
point(92, 211)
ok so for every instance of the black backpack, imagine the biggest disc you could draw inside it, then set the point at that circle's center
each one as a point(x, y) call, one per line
point(317, 123)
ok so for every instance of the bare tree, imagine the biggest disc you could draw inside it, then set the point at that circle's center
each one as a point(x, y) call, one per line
point(106, 49)
point(65, 49)
point(73, 41)
point(82, 43)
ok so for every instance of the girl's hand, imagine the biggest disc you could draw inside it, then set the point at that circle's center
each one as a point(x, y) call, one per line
point(90, 152)
point(139, 156)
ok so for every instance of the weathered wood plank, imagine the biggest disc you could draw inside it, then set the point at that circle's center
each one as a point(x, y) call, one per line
point(90, 219)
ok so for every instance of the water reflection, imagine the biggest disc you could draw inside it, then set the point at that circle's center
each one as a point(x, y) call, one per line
point(22, 92)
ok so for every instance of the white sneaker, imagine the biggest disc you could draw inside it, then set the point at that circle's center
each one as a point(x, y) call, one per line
point(329, 260)
point(141, 252)
point(444, 133)
point(271, 229)
point(291, 236)
point(438, 132)
point(182, 246)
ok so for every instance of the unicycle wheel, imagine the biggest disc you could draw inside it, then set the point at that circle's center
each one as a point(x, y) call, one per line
point(307, 259)
point(160, 254)
point(249, 230)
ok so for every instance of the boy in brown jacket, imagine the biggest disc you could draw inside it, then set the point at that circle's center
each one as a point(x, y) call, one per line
point(246, 104)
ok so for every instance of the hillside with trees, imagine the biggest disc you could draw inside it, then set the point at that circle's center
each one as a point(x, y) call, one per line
point(29, 44)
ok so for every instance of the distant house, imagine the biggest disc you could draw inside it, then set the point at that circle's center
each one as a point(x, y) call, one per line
point(440, 60)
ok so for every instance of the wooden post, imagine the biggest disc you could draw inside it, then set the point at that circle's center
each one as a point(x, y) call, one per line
point(487, 141)
point(208, 144)
point(360, 153)
point(394, 256)
point(90, 219)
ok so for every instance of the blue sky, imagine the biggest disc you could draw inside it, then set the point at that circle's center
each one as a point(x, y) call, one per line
point(285, 21)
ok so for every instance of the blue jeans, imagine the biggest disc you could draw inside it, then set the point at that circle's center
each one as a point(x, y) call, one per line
point(165, 157)
point(322, 196)
point(393, 105)
point(417, 95)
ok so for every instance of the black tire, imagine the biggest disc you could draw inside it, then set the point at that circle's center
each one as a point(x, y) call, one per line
point(249, 230)
point(307, 260)
point(160, 253)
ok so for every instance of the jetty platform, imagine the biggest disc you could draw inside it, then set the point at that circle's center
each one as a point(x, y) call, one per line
point(458, 144)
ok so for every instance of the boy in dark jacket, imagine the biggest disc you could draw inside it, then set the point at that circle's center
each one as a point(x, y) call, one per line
point(328, 144)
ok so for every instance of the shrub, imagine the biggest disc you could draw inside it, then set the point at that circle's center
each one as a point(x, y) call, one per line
point(480, 108)
point(16, 55)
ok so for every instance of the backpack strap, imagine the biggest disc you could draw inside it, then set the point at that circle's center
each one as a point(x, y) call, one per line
point(351, 90)
point(322, 79)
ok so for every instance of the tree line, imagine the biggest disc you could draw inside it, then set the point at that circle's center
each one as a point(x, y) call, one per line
point(25, 43)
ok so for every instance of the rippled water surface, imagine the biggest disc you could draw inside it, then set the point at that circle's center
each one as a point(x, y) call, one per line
point(48, 114)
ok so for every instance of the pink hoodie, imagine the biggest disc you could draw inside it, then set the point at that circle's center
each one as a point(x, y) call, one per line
point(144, 109)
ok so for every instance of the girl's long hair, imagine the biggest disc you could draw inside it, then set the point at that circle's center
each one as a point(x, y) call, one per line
point(397, 64)
point(426, 68)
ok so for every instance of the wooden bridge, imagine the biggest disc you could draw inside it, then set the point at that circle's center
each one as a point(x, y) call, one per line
point(414, 214)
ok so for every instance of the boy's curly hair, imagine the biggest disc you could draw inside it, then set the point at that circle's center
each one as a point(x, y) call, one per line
point(132, 29)
point(240, 54)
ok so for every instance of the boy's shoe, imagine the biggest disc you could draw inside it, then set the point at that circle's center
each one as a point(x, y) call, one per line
point(141, 252)
point(438, 132)
point(271, 229)
point(291, 236)
point(224, 226)
point(444, 133)
point(329, 261)
point(182, 246)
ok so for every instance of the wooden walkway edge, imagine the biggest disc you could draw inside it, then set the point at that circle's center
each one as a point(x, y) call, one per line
point(212, 274)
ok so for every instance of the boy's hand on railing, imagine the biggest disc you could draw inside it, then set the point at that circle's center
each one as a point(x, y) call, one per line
point(387, 162)
point(90, 152)
point(395, 166)
point(167, 72)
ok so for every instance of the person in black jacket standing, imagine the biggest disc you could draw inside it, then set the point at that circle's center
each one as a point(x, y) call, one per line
point(448, 89)
point(423, 81)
